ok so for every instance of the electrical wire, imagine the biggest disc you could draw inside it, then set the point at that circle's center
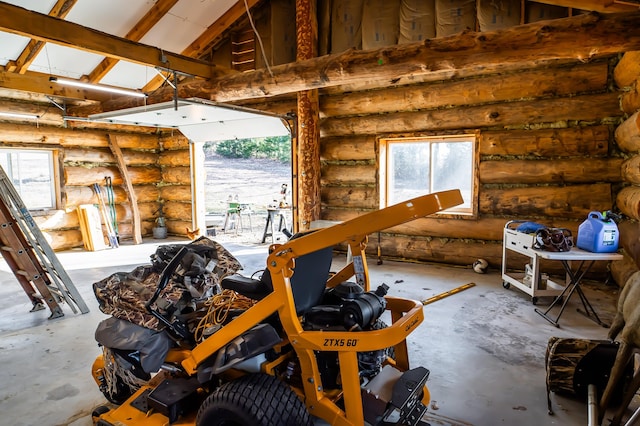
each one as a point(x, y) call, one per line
point(255, 31)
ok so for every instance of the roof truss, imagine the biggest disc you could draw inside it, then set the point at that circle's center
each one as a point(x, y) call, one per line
point(45, 28)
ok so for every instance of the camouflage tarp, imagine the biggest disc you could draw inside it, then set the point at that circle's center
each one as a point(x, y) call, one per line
point(124, 295)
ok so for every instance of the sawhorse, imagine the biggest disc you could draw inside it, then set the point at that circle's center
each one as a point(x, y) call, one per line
point(271, 218)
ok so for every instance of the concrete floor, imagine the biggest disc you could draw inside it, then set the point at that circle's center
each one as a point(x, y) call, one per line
point(484, 346)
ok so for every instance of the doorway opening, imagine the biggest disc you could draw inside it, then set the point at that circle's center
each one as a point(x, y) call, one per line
point(248, 189)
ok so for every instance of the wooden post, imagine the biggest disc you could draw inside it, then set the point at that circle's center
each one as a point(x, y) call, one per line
point(308, 121)
point(128, 187)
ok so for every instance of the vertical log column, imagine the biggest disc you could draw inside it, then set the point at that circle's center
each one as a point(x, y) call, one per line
point(308, 108)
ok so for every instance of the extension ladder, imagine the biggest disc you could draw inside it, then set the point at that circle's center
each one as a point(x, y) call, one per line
point(30, 256)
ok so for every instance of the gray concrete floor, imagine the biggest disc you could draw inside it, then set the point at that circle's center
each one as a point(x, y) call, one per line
point(484, 346)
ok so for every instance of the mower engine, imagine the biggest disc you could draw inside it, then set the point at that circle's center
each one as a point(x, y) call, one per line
point(347, 307)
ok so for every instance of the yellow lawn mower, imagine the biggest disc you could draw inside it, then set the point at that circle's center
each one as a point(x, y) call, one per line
point(190, 341)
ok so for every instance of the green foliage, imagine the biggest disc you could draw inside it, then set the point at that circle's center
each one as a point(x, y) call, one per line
point(274, 147)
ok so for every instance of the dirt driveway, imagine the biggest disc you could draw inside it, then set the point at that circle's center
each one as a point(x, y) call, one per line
point(255, 182)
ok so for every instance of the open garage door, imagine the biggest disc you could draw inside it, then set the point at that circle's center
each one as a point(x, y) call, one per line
point(202, 121)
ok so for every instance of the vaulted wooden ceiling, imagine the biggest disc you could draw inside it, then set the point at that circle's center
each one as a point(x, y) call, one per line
point(124, 43)
point(96, 47)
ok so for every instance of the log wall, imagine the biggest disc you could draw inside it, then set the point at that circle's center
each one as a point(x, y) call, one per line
point(155, 162)
point(545, 145)
point(627, 136)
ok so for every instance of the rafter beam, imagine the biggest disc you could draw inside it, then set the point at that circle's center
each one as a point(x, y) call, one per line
point(157, 11)
point(39, 83)
point(579, 38)
point(17, 20)
point(30, 52)
point(214, 31)
point(604, 6)
point(36, 82)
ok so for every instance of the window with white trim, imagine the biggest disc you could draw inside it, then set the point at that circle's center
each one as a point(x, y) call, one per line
point(411, 167)
point(33, 175)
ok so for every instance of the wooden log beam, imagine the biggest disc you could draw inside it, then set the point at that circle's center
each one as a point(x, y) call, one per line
point(59, 10)
point(574, 170)
point(628, 201)
point(567, 142)
point(174, 141)
point(628, 69)
point(177, 210)
point(582, 107)
point(174, 158)
point(50, 135)
point(630, 99)
point(78, 176)
point(576, 38)
point(17, 20)
point(74, 195)
point(128, 187)
point(101, 155)
point(176, 175)
point(536, 83)
point(570, 202)
point(440, 250)
point(483, 228)
point(628, 134)
point(631, 170)
point(359, 197)
point(308, 131)
point(356, 174)
point(176, 193)
point(177, 226)
point(630, 239)
point(348, 148)
point(580, 38)
point(621, 270)
point(144, 24)
point(64, 239)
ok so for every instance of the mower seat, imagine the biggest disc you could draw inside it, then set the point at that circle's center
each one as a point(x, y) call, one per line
point(308, 281)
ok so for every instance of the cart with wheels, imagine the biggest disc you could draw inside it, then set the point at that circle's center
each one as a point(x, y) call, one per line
point(533, 285)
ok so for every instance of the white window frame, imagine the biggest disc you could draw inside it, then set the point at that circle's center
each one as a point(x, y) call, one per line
point(470, 196)
point(54, 194)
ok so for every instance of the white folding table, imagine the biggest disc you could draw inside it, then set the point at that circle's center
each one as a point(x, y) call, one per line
point(585, 260)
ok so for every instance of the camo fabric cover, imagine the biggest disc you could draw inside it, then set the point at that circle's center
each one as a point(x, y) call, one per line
point(124, 295)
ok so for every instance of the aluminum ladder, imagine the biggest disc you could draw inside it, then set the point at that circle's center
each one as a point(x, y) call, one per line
point(31, 258)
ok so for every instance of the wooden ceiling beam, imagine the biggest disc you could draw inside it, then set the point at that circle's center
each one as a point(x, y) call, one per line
point(17, 20)
point(30, 52)
point(157, 11)
point(579, 38)
point(39, 83)
point(209, 35)
point(603, 6)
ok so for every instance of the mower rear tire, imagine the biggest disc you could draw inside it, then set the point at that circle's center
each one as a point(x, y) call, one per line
point(254, 399)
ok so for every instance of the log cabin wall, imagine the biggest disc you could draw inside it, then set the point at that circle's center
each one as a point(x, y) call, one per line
point(545, 143)
point(155, 161)
point(545, 135)
point(627, 137)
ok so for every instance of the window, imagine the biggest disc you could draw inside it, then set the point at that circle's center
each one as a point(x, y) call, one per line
point(411, 167)
point(32, 174)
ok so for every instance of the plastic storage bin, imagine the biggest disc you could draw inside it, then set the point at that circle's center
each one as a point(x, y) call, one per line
point(598, 234)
